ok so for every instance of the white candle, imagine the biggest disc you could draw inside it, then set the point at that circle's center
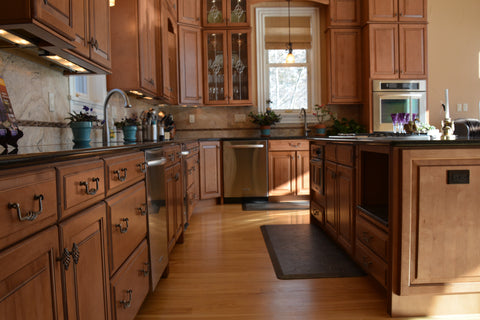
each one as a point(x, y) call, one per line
point(447, 107)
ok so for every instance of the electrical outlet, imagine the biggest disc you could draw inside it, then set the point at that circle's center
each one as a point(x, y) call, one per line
point(459, 107)
point(465, 107)
point(239, 117)
point(191, 118)
point(51, 102)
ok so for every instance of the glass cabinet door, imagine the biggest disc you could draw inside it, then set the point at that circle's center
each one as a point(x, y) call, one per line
point(214, 12)
point(215, 53)
point(239, 69)
point(237, 12)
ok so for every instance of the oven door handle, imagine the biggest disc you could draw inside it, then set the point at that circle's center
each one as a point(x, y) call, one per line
point(246, 146)
point(157, 162)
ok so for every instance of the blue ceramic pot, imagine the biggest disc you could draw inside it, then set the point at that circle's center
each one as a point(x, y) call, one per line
point(130, 133)
point(265, 131)
point(81, 132)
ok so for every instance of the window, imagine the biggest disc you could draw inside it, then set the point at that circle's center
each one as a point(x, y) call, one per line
point(88, 91)
point(286, 88)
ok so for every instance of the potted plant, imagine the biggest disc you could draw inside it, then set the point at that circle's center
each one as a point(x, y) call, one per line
point(345, 126)
point(265, 120)
point(129, 128)
point(81, 124)
point(323, 114)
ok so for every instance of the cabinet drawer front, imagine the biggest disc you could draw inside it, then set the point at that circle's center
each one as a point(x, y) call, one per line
point(288, 145)
point(330, 152)
point(130, 285)
point(81, 185)
point(318, 212)
point(127, 223)
point(122, 171)
point(371, 264)
point(375, 239)
point(344, 154)
point(28, 204)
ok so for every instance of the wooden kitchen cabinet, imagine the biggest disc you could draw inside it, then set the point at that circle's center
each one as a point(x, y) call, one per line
point(30, 278)
point(210, 170)
point(123, 170)
point(217, 13)
point(168, 90)
point(344, 13)
point(192, 178)
point(344, 66)
point(227, 67)
point(134, 66)
point(83, 244)
point(397, 51)
point(189, 12)
point(190, 64)
point(395, 10)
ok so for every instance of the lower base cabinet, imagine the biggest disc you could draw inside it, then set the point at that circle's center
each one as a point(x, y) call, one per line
point(130, 285)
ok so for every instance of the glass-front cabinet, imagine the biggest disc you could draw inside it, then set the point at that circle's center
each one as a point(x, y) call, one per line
point(225, 12)
point(227, 67)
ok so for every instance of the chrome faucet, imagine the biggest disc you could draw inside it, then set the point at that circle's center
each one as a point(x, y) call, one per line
point(106, 133)
point(303, 113)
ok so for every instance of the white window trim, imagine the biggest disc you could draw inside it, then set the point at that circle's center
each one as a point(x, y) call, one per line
point(96, 93)
point(315, 70)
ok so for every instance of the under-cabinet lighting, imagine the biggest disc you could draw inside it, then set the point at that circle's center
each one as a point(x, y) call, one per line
point(14, 39)
point(67, 64)
point(148, 98)
point(111, 3)
point(136, 93)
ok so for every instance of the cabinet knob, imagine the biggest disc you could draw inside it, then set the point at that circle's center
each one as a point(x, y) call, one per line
point(31, 215)
point(92, 191)
point(119, 225)
point(142, 209)
point(146, 269)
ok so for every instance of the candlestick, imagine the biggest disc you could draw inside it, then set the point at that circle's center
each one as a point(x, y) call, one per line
point(447, 107)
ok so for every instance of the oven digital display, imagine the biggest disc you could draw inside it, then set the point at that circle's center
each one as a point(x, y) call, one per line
point(400, 86)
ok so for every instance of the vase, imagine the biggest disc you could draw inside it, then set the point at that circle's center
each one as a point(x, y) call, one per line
point(81, 132)
point(129, 133)
point(265, 131)
point(320, 129)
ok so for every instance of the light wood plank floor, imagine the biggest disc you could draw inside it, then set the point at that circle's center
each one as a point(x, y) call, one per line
point(223, 271)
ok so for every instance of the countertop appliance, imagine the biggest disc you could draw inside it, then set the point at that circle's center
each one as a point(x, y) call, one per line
point(467, 127)
point(157, 214)
point(397, 96)
point(245, 171)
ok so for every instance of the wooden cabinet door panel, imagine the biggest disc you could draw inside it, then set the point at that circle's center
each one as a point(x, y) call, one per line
point(345, 65)
point(189, 12)
point(303, 173)
point(383, 51)
point(122, 171)
point(30, 286)
point(146, 48)
point(382, 10)
point(287, 145)
point(177, 178)
point(80, 27)
point(412, 10)
point(190, 63)
point(100, 31)
point(330, 185)
point(56, 14)
point(124, 236)
point(413, 47)
point(86, 282)
point(372, 264)
point(35, 195)
point(372, 237)
point(210, 166)
point(130, 284)
point(344, 12)
point(344, 181)
point(281, 177)
point(170, 191)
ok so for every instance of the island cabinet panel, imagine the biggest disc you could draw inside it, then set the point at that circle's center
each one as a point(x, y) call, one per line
point(210, 169)
point(81, 184)
point(29, 203)
point(130, 284)
point(86, 275)
point(439, 222)
point(124, 170)
point(30, 286)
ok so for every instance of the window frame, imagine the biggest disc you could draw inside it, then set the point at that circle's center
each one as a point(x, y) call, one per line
point(96, 86)
point(313, 61)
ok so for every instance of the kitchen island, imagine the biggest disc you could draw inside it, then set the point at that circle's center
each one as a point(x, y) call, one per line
point(406, 211)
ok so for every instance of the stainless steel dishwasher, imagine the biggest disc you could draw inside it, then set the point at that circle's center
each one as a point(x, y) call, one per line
point(245, 169)
point(157, 214)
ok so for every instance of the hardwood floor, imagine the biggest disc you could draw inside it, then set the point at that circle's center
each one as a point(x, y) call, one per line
point(223, 271)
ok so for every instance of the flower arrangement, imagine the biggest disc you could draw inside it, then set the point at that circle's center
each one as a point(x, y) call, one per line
point(345, 126)
point(126, 122)
point(86, 115)
point(267, 118)
point(323, 113)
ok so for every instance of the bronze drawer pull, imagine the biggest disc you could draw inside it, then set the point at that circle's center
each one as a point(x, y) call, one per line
point(66, 256)
point(119, 225)
point(142, 167)
point(366, 237)
point(119, 177)
point(127, 303)
point(92, 191)
point(31, 215)
point(366, 263)
point(146, 269)
point(141, 209)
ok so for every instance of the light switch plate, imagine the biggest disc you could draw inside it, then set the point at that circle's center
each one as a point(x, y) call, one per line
point(459, 107)
point(191, 118)
point(51, 102)
point(465, 107)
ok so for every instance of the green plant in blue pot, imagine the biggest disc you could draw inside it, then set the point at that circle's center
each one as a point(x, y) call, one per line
point(81, 124)
point(129, 128)
point(265, 120)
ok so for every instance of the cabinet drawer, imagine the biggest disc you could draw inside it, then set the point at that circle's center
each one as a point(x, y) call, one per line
point(81, 184)
point(371, 263)
point(372, 237)
point(287, 145)
point(172, 153)
point(122, 171)
point(127, 223)
point(130, 285)
point(28, 204)
point(318, 212)
point(344, 154)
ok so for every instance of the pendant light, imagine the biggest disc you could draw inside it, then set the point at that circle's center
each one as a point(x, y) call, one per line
point(290, 56)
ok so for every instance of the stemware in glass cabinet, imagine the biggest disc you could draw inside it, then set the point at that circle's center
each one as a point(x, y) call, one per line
point(238, 11)
point(215, 12)
point(239, 66)
point(215, 66)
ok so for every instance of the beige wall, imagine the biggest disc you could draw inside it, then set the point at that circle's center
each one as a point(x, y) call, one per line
point(453, 57)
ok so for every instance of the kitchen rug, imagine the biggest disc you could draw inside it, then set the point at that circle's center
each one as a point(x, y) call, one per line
point(266, 205)
point(304, 251)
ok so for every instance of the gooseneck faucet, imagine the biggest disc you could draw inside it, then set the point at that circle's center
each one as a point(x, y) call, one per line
point(106, 133)
point(303, 113)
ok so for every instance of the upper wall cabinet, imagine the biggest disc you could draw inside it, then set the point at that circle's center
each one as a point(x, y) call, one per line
point(344, 13)
point(189, 12)
point(168, 90)
point(395, 10)
point(217, 13)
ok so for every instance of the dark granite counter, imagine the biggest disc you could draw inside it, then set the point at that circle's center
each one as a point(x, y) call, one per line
point(406, 141)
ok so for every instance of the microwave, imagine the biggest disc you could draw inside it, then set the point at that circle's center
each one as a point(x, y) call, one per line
point(397, 96)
